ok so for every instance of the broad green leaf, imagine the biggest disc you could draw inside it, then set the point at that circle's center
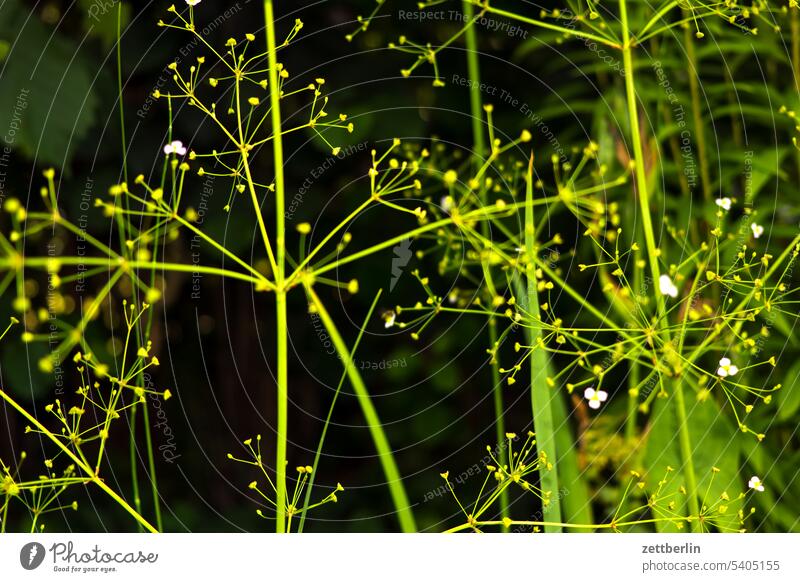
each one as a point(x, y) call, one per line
point(788, 397)
point(47, 91)
point(100, 19)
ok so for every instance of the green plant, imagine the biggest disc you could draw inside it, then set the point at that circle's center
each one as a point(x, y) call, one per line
point(677, 307)
point(634, 287)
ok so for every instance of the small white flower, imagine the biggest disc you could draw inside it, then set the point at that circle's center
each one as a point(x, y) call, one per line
point(388, 319)
point(724, 203)
point(755, 483)
point(666, 286)
point(193, 2)
point(176, 147)
point(726, 368)
point(757, 229)
point(447, 204)
point(595, 397)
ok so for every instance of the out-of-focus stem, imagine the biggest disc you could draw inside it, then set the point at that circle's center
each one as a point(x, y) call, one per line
point(479, 151)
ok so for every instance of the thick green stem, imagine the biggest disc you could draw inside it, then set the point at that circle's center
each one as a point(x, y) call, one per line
point(473, 70)
point(569, 32)
point(653, 253)
point(393, 479)
point(283, 399)
point(280, 293)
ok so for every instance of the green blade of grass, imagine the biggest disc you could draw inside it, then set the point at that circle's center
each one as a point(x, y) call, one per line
point(321, 443)
point(539, 367)
point(574, 493)
point(393, 479)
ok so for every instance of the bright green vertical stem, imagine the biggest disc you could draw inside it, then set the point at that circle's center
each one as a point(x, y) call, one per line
point(393, 479)
point(479, 151)
point(539, 368)
point(473, 70)
point(280, 292)
point(652, 256)
point(638, 153)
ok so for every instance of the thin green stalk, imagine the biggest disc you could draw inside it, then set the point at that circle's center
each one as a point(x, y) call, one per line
point(137, 499)
point(280, 293)
point(541, 393)
point(484, 213)
point(544, 24)
point(473, 70)
point(42, 262)
point(652, 255)
point(393, 479)
point(151, 464)
point(499, 411)
point(554, 524)
point(479, 151)
point(123, 235)
point(236, 259)
point(633, 378)
point(321, 443)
